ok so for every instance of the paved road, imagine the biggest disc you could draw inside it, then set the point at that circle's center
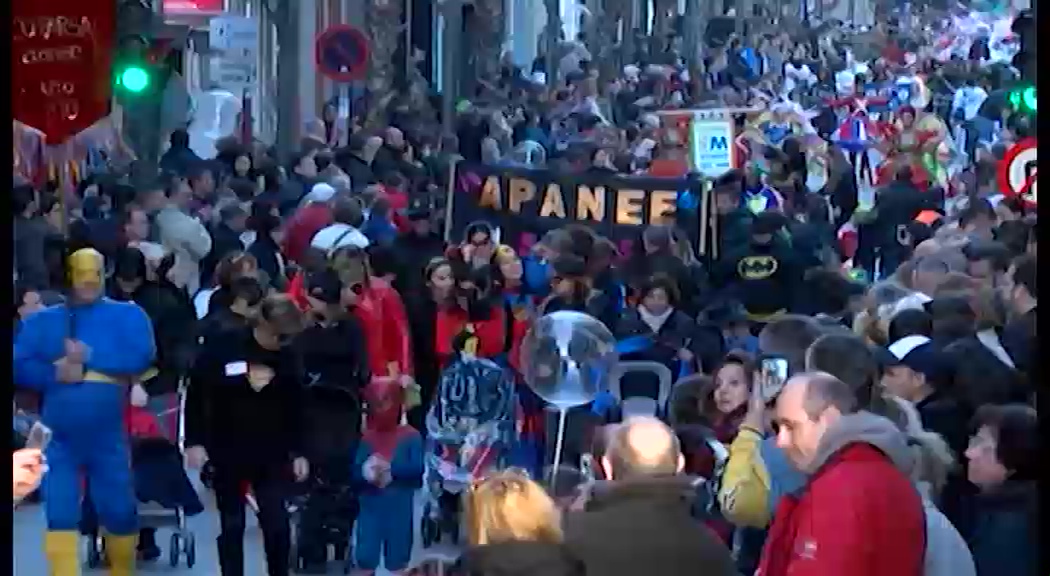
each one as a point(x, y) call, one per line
point(29, 560)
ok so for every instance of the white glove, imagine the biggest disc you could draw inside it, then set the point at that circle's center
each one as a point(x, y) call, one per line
point(139, 397)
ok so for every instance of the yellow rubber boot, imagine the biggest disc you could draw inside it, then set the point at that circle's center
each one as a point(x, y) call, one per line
point(122, 554)
point(60, 548)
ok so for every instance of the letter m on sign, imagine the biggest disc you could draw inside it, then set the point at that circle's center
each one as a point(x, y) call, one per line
point(719, 143)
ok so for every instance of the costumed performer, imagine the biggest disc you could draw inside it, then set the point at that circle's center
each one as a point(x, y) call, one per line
point(388, 466)
point(858, 130)
point(81, 357)
point(786, 120)
point(917, 140)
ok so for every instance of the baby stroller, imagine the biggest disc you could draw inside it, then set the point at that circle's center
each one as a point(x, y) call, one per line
point(166, 495)
point(472, 427)
point(322, 518)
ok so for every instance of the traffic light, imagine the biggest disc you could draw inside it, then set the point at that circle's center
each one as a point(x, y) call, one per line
point(1023, 99)
point(133, 78)
point(135, 73)
point(142, 67)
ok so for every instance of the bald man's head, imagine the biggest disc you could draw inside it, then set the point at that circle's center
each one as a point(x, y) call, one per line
point(927, 247)
point(642, 447)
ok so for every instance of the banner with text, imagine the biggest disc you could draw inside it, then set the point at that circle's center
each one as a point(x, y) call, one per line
point(527, 203)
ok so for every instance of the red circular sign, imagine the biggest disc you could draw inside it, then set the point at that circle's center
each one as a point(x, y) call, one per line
point(1017, 171)
point(341, 53)
point(61, 60)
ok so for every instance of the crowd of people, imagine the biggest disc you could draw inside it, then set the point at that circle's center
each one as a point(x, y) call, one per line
point(878, 423)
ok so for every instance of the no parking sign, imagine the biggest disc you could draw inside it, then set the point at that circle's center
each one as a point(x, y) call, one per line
point(1017, 171)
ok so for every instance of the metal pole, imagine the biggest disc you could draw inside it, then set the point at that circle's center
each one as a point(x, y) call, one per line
point(409, 50)
point(451, 37)
point(287, 22)
point(552, 44)
point(692, 36)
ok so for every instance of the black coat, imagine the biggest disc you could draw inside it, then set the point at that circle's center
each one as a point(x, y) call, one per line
point(667, 264)
point(359, 171)
point(267, 254)
point(174, 330)
point(676, 333)
point(223, 241)
point(596, 304)
point(520, 558)
point(414, 253)
point(1020, 338)
point(1003, 536)
point(422, 318)
point(978, 377)
point(645, 527)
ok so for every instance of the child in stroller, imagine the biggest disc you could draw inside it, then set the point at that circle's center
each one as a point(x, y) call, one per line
point(160, 479)
point(472, 427)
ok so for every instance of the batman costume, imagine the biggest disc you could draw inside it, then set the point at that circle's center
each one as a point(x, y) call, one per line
point(763, 274)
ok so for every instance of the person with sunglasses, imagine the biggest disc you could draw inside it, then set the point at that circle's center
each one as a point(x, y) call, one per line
point(244, 415)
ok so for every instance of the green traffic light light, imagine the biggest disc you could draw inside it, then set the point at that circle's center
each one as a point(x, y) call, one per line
point(1028, 98)
point(1024, 99)
point(134, 79)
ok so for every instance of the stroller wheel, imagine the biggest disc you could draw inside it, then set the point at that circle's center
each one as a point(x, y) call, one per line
point(428, 531)
point(174, 550)
point(453, 531)
point(191, 550)
point(295, 558)
point(94, 553)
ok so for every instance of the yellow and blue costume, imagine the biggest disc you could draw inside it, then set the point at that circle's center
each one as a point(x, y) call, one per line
point(87, 417)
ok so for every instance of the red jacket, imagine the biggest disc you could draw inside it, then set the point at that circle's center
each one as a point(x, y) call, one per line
point(297, 291)
point(306, 222)
point(382, 315)
point(859, 515)
point(492, 334)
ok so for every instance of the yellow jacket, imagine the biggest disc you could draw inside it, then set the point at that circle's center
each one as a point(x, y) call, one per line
point(744, 495)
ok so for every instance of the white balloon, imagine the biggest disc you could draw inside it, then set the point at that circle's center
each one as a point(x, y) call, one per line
point(567, 357)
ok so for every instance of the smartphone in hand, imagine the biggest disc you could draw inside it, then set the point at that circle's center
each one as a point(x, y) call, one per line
point(39, 437)
point(774, 373)
point(30, 427)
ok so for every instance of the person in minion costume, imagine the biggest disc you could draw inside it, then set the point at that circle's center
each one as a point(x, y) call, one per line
point(82, 357)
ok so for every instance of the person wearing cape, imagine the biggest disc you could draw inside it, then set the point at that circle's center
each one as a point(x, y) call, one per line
point(82, 357)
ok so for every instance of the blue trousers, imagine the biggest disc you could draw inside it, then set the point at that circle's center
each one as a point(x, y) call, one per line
point(106, 461)
point(384, 528)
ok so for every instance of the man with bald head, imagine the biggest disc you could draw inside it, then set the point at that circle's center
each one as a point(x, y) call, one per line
point(640, 523)
point(858, 513)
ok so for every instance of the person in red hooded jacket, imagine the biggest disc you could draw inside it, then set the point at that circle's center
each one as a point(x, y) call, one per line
point(381, 312)
point(859, 513)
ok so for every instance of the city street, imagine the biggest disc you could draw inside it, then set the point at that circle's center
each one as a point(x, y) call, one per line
point(29, 560)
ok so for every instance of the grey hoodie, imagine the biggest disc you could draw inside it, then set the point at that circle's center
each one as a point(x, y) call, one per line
point(946, 551)
point(864, 428)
